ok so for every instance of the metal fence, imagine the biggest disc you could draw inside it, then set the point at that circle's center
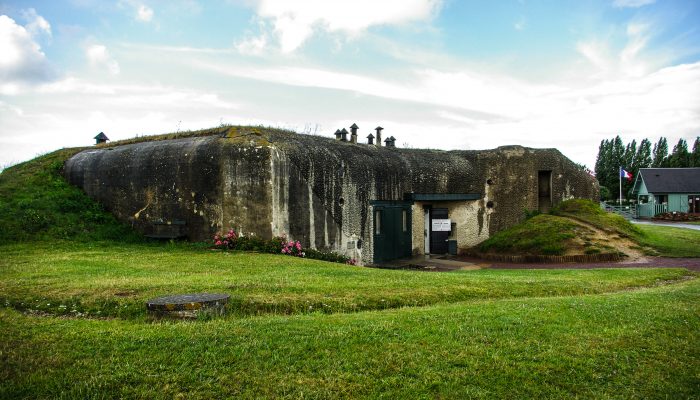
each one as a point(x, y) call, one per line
point(649, 210)
point(628, 212)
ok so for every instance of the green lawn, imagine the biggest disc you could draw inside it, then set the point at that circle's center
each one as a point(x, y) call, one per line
point(306, 328)
point(116, 280)
point(669, 241)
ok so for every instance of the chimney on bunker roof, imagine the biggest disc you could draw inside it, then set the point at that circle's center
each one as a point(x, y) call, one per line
point(390, 141)
point(353, 135)
point(370, 139)
point(337, 134)
point(344, 135)
point(379, 135)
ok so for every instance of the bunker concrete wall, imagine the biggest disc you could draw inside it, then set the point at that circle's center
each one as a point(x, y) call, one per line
point(334, 182)
point(509, 176)
point(208, 183)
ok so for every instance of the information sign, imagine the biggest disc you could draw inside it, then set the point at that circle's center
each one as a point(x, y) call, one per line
point(441, 225)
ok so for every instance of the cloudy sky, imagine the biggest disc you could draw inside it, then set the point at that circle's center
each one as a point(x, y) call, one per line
point(445, 74)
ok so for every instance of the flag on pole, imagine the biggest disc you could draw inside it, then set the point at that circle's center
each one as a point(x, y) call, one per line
point(625, 174)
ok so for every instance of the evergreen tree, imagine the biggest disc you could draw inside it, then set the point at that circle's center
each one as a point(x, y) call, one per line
point(629, 165)
point(618, 151)
point(600, 161)
point(629, 157)
point(606, 169)
point(616, 159)
point(695, 156)
point(643, 157)
point(680, 158)
point(660, 154)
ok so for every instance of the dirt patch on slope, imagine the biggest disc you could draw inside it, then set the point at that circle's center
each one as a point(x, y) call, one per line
point(594, 239)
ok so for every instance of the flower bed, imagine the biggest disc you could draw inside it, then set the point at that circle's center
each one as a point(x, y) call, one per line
point(677, 216)
point(277, 245)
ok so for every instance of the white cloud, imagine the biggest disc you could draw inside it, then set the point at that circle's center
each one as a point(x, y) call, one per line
point(630, 61)
point(597, 53)
point(252, 45)
point(22, 60)
point(294, 22)
point(98, 56)
point(36, 24)
point(632, 3)
point(144, 13)
point(483, 110)
point(70, 112)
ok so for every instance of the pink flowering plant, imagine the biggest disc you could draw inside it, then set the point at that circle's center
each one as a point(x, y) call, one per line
point(277, 245)
point(226, 241)
point(292, 248)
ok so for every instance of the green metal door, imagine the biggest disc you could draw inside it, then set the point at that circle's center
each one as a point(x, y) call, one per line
point(392, 231)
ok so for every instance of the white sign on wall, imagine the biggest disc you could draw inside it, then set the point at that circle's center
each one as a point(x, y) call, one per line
point(441, 225)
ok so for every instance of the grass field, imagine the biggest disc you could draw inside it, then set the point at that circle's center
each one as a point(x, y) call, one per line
point(116, 280)
point(305, 328)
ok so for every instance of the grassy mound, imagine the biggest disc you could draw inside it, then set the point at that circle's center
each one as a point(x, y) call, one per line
point(571, 229)
point(591, 213)
point(568, 229)
point(37, 204)
point(545, 235)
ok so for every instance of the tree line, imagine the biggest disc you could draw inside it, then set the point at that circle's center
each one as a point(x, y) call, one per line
point(614, 153)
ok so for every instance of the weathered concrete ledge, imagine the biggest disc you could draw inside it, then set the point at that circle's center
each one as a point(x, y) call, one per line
point(187, 305)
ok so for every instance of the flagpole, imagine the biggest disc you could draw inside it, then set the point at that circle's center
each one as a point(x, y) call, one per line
point(619, 176)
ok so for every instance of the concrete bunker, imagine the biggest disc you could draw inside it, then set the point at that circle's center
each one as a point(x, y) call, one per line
point(370, 202)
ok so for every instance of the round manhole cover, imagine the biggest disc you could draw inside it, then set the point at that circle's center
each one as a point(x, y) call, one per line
point(187, 305)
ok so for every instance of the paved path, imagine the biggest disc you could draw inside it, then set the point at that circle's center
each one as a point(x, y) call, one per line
point(692, 264)
point(453, 263)
point(429, 264)
point(672, 224)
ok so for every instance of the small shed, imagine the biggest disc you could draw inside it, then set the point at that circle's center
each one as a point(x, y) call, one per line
point(101, 138)
point(661, 190)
